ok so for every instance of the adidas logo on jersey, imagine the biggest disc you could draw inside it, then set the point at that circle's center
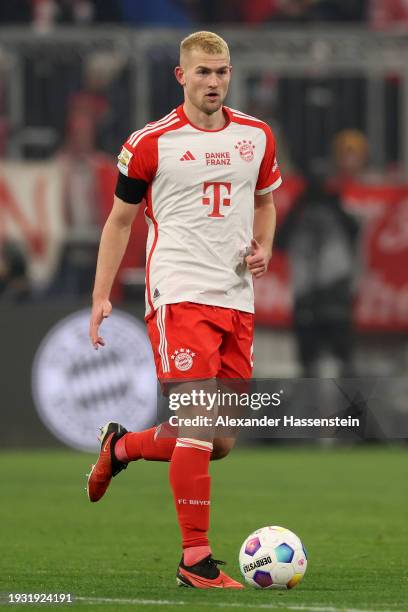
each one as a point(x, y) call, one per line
point(156, 294)
point(188, 156)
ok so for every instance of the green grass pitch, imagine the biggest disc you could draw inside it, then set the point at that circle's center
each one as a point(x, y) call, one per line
point(349, 505)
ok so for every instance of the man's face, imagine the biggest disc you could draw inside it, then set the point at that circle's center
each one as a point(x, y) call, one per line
point(205, 79)
point(351, 161)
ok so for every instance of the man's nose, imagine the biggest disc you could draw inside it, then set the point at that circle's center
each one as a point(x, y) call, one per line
point(213, 80)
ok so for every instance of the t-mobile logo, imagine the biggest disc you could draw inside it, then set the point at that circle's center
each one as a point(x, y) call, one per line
point(216, 201)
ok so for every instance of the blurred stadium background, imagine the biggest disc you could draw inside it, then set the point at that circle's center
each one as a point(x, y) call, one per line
point(76, 77)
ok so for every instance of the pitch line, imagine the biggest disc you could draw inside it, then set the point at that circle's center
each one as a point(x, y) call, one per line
point(166, 602)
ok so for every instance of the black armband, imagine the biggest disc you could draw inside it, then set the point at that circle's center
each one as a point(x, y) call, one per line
point(129, 189)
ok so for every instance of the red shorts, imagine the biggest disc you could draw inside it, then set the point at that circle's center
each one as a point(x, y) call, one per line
point(195, 341)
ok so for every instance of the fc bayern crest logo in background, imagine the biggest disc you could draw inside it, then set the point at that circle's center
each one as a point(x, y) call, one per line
point(183, 359)
point(77, 390)
point(246, 150)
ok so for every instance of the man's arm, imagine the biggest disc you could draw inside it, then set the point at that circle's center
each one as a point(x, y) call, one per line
point(114, 240)
point(264, 231)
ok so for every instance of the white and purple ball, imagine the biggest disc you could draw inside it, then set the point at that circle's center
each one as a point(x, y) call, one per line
point(273, 558)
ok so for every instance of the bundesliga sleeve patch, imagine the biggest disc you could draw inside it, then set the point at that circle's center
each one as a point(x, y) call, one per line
point(124, 160)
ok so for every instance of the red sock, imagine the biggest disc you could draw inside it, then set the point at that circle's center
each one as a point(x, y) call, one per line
point(147, 444)
point(190, 483)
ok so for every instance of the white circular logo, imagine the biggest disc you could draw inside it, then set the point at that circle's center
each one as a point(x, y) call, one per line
point(76, 389)
point(183, 361)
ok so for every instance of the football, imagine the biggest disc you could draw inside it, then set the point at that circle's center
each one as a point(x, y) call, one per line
point(273, 558)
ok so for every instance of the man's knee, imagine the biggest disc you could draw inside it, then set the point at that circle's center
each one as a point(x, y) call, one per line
point(221, 448)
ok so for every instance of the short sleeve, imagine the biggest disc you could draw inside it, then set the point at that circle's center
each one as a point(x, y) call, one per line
point(269, 177)
point(138, 157)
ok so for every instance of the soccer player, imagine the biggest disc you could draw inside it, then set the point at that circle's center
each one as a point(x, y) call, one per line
point(207, 173)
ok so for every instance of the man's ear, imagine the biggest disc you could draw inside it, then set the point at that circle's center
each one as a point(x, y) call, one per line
point(179, 74)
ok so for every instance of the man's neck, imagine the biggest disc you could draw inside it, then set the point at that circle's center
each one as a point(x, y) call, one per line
point(215, 121)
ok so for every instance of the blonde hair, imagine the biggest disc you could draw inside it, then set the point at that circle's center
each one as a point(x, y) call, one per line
point(205, 41)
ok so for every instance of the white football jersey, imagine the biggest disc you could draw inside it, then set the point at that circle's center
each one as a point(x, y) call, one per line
point(200, 205)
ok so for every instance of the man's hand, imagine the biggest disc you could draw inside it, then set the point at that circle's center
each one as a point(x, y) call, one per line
point(258, 261)
point(101, 309)
point(114, 240)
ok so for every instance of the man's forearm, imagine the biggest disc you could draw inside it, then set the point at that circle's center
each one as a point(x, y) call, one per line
point(264, 225)
point(112, 247)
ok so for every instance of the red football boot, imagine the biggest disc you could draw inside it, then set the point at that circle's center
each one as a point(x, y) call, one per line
point(107, 465)
point(205, 575)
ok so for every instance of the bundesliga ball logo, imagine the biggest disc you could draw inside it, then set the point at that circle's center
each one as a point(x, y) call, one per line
point(246, 150)
point(183, 359)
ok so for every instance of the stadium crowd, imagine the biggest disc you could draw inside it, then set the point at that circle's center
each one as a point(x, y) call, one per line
point(45, 14)
point(78, 112)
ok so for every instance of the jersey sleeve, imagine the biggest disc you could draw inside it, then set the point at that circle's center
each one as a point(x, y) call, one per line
point(137, 165)
point(269, 177)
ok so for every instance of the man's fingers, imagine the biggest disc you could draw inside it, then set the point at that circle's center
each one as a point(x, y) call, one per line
point(254, 260)
point(99, 342)
point(99, 312)
point(259, 270)
point(93, 331)
point(96, 339)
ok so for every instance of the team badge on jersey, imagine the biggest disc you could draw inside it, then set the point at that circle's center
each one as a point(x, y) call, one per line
point(183, 359)
point(246, 150)
point(124, 160)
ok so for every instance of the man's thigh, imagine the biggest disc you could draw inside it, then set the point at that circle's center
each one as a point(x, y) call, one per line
point(236, 351)
point(186, 340)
